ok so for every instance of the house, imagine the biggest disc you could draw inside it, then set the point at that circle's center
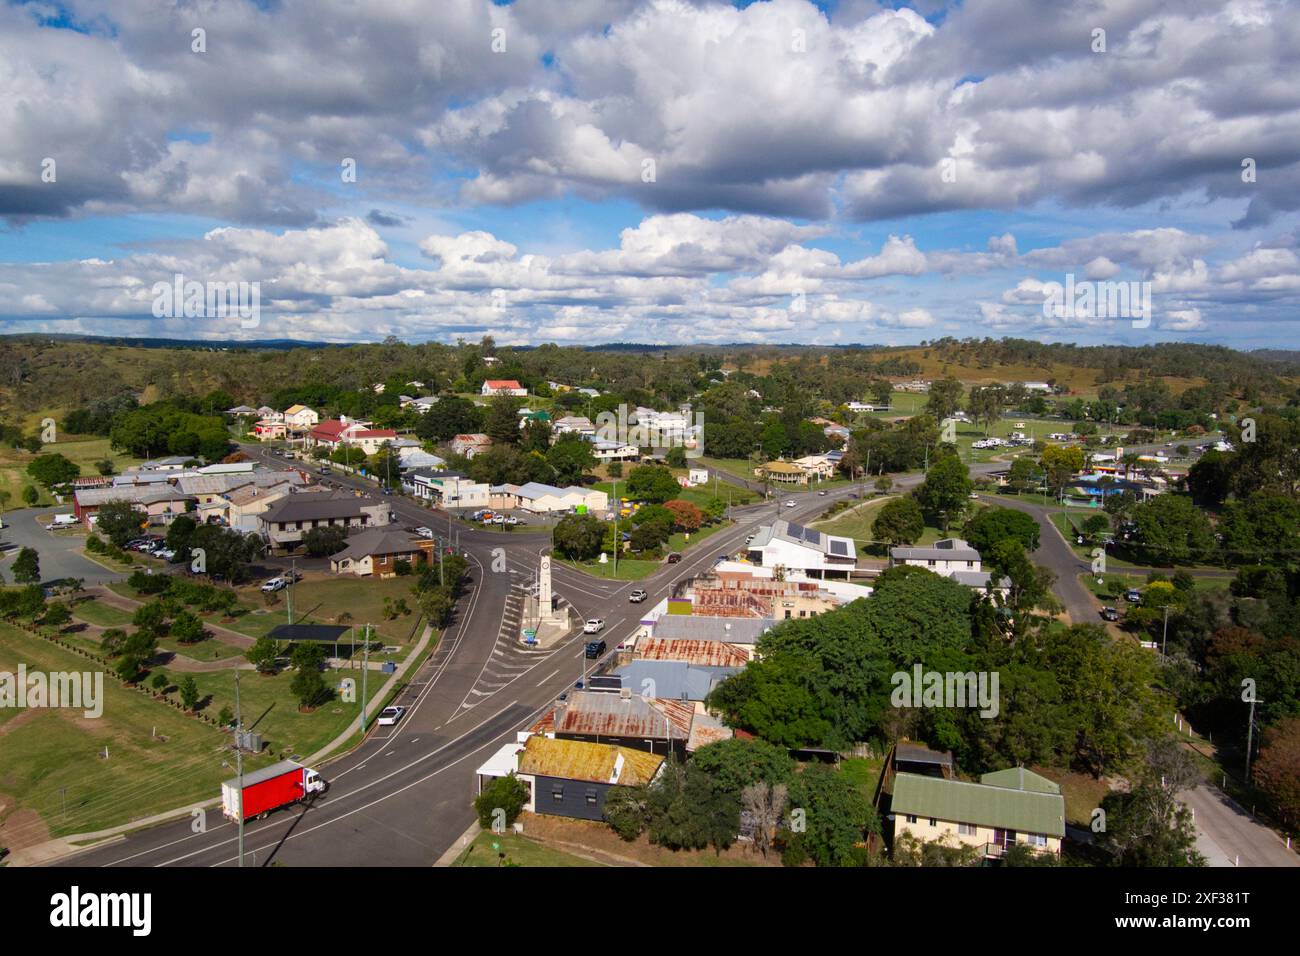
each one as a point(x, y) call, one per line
point(469, 445)
point(240, 507)
point(502, 386)
point(741, 633)
point(570, 778)
point(376, 551)
point(574, 424)
point(816, 467)
point(950, 557)
point(674, 680)
point(837, 433)
point(867, 406)
point(269, 430)
point(608, 450)
point(698, 652)
point(268, 414)
point(782, 472)
point(541, 499)
point(449, 489)
point(158, 503)
point(697, 476)
point(624, 720)
point(240, 410)
point(421, 404)
point(287, 520)
point(732, 594)
point(813, 553)
point(1036, 386)
point(1005, 808)
point(300, 417)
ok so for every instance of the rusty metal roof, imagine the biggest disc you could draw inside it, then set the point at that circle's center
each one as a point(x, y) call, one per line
point(701, 653)
point(580, 760)
point(612, 715)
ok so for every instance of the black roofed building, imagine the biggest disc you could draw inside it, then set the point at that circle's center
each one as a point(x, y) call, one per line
point(285, 522)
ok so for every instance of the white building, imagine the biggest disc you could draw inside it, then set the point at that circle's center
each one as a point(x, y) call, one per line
point(502, 386)
point(300, 416)
point(949, 557)
point(796, 548)
point(540, 498)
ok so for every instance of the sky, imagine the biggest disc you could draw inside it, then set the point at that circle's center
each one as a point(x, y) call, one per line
point(665, 171)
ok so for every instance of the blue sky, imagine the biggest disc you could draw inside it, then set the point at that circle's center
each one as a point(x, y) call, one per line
point(661, 171)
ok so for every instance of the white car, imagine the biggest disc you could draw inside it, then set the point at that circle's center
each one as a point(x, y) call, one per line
point(790, 503)
point(275, 584)
point(593, 626)
point(391, 715)
point(424, 532)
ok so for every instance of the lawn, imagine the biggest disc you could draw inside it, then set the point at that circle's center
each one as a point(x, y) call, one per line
point(863, 772)
point(55, 755)
point(83, 453)
point(629, 569)
point(319, 600)
point(92, 612)
point(487, 848)
point(856, 523)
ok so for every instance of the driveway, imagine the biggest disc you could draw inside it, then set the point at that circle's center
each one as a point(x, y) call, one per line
point(60, 553)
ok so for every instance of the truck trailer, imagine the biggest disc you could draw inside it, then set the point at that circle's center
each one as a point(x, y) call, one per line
point(270, 788)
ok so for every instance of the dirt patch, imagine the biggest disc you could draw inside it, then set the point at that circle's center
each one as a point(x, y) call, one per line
point(27, 716)
point(596, 841)
point(20, 828)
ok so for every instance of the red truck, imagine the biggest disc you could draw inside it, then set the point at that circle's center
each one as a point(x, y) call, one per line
point(270, 788)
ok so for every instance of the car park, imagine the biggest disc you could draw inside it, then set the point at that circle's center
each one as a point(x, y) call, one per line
point(594, 625)
point(391, 715)
point(637, 596)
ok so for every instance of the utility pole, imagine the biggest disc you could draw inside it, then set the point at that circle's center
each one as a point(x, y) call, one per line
point(1164, 640)
point(239, 765)
point(1250, 732)
point(618, 537)
point(293, 578)
point(365, 672)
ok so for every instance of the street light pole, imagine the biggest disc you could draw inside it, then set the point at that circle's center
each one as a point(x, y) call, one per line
point(239, 765)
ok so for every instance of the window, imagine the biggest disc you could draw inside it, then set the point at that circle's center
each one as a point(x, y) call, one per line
point(557, 793)
point(591, 797)
point(1036, 839)
point(934, 822)
point(911, 818)
point(967, 829)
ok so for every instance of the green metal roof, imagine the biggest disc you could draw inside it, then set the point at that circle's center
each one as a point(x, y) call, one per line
point(1026, 811)
point(1018, 778)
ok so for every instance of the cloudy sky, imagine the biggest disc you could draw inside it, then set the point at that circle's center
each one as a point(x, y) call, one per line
point(586, 171)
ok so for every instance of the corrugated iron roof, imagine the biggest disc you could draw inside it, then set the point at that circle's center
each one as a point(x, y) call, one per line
point(611, 715)
point(960, 802)
point(581, 760)
point(714, 653)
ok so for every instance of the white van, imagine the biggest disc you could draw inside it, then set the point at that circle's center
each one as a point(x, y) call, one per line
point(64, 521)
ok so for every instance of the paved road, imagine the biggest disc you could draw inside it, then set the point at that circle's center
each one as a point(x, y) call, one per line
point(60, 553)
point(1229, 837)
point(403, 797)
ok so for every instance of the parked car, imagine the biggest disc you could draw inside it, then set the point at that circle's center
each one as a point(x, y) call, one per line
point(391, 715)
point(424, 532)
point(1133, 596)
point(594, 650)
point(1110, 614)
point(637, 596)
point(594, 625)
point(275, 584)
point(674, 557)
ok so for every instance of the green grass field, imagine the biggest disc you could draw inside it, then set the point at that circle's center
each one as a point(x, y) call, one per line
point(856, 523)
point(49, 756)
point(81, 452)
point(518, 851)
